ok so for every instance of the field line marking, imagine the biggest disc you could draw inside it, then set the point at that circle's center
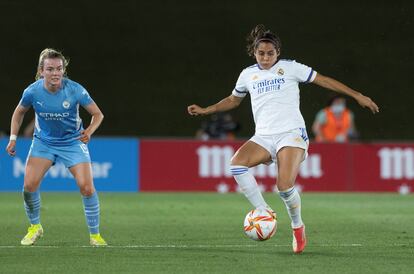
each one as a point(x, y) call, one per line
point(179, 246)
point(172, 246)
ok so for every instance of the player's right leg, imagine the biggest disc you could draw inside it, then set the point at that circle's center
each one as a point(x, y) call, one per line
point(34, 172)
point(249, 154)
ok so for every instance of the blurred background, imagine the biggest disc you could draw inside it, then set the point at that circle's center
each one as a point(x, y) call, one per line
point(144, 61)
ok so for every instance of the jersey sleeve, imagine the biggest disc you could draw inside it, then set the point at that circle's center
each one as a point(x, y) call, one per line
point(241, 87)
point(303, 73)
point(27, 98)
point(84, 97)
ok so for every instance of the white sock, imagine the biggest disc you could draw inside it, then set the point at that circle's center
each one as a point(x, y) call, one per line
point(291, 198)
point(248, 186)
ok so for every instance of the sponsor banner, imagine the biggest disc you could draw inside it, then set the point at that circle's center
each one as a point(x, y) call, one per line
point(114, 166)
point(182, 165)
point(185, 165)
point(383, 167)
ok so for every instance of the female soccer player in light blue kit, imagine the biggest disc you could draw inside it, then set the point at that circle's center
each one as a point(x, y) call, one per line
point(280, 128)
point(58, 136)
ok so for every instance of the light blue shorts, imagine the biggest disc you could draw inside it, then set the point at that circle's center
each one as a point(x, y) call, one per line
point(69, 155)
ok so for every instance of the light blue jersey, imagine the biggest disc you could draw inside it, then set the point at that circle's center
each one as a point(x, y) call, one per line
point(57, 113)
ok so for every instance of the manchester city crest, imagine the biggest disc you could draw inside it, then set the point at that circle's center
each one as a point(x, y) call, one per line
point(66, 104)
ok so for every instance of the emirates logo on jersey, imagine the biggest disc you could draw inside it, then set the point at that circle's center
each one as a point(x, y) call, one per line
point(66, 104)
point(280, 72)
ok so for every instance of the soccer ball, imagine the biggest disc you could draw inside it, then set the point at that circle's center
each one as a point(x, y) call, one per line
point(260, 224)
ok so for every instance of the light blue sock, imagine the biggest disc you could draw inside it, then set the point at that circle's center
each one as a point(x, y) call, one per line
point(91, 208)
point(32, 206)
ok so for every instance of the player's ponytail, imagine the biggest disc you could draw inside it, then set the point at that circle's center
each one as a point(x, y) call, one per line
point(261, 34)
point(50, 53)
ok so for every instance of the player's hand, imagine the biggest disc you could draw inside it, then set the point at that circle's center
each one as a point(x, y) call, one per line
point(365, 101)
point(196, 110)
point(10, 148)
point(85, 136)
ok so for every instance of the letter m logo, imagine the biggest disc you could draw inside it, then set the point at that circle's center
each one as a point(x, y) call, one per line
point(214, 161)
point(396, 163)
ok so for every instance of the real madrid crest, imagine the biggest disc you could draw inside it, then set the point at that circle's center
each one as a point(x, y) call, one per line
point(280, 72)
point(66, 104)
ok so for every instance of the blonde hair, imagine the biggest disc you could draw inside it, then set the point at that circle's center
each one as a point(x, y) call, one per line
point(50, 53)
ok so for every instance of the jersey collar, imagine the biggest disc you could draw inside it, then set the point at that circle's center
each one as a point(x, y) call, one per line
point(258, 66)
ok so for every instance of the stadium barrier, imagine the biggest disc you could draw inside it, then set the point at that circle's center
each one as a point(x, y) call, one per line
point(182, 165)
point(114, 166)
point(129, 164)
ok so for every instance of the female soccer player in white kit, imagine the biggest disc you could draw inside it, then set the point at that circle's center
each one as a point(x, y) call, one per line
point(280, 129)
point(58, 135)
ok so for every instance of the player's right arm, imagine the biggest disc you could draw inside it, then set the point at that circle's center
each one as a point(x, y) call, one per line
point(226, 104)
point(16, 123)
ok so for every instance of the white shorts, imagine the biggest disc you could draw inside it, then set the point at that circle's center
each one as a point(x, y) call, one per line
point(273, 143)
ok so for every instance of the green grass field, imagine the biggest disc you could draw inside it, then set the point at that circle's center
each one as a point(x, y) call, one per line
point(202, 233)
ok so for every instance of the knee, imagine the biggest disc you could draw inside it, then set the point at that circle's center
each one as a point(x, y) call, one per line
point(30, 185)
point(284, 183)
point(87, 189)
point(236, 160)
point(30, 188)
point(238, 165)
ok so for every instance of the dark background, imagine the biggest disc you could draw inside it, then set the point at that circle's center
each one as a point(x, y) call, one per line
point(144, 62)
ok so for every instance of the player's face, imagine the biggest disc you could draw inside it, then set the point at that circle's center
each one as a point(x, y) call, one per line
point(52, 72)
point(266, 55)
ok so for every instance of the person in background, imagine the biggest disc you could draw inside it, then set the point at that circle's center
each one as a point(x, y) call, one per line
point(335, 123)
point(220, 126)
point(58, 136)
point(3, 133)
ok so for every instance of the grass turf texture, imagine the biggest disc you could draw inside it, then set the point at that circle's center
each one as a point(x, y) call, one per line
point(202, 233)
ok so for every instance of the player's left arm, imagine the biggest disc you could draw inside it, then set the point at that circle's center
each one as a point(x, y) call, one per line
point(96, 120)
point(332, 84)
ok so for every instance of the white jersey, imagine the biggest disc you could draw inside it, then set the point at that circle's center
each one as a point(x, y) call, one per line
point(275, 95)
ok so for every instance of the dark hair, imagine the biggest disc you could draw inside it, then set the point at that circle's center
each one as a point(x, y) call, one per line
point(261, 34)
point(49, 53)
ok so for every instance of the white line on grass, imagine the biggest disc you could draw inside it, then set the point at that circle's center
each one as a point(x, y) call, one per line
point(179, 246)
point(175, 246)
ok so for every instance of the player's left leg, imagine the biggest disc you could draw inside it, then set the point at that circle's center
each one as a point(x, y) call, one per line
point(288, 162)
point(83, 176)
